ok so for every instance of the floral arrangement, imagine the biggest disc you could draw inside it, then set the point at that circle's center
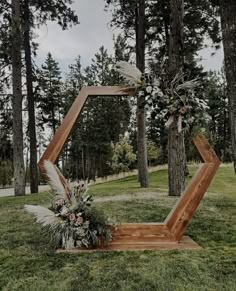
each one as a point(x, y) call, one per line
point(71, 221)
point(178, 103)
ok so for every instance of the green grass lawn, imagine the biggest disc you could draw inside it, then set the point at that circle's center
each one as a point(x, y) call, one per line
point(28, 262)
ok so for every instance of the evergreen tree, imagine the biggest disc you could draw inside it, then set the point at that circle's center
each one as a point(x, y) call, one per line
point(228, 20)
point(50, 97)
point(140, 28)
point(123, 155)
point(152, 152)
point(218, 111)
point(89, 149)
point(33, 13)
point(16, 40)
point(176, 146)
point(72, 155)
point(157, 31)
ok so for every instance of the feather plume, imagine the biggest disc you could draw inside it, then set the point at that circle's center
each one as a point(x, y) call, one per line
point(54, 180)
point(129, 72)
point(189, 85)
point(43, 215)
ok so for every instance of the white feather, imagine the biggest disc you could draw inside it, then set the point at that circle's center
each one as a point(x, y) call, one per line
point(54, 179)
point(189, 85)
point(129, 72)
point(43, 215)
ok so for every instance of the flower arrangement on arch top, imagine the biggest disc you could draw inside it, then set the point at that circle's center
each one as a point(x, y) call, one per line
point(177, 103)
point(71, 221)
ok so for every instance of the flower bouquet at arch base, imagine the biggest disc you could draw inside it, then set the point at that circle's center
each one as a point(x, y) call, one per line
point(71, 221)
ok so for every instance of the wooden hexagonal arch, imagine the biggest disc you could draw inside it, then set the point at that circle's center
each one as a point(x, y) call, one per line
point(134, 236)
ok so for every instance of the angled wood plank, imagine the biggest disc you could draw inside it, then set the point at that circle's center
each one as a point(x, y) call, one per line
point(181, 215)
point(131, 233)
point(186, 243)
point(63, 132)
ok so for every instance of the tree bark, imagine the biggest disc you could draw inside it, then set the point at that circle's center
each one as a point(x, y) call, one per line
point(30, 98)
point(176, 147)
point(141, 114)
point(18, 157)
point(228, 22)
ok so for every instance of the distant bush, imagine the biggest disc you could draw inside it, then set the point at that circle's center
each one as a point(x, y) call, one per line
point(123, 155)
point(153, 152)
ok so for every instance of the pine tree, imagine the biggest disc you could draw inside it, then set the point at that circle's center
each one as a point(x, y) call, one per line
point(50, 99)
point(89, 149)
point(33, 13)
point(61, 12)
point(72, 155)
point(218, 124)
point(141, 112)
point(228, 20)
point(176, 147)
point(34, 181)
point(157, 31)
point(123, 155)
point(19, 172)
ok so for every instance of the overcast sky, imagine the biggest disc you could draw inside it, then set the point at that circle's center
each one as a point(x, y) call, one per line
point(86, 38)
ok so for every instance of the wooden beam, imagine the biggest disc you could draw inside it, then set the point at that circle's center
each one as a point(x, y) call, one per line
point(63, 132)
point(181, 215)
point(186, 243)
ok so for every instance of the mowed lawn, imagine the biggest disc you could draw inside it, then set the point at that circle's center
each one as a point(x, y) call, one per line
point(28, 262)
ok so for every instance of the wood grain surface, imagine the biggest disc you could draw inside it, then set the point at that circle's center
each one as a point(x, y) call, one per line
point(141, 236)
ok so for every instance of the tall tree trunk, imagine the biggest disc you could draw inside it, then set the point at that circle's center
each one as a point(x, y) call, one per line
point(30, 98)
point(228, 21)
point(176, 148)
point(141, 114)
point(18, 157)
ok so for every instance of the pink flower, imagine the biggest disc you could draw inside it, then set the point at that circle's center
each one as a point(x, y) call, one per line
point(72, 216)
point(60, 202)
point(79, 220)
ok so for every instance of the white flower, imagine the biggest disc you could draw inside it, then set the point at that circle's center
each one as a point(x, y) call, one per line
point(160, 94)
point(64, 211)
point(141, 93)
point(149, 89)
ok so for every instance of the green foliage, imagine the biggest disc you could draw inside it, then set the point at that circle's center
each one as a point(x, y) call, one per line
point(157, 34)
point(40, 12)
point(200, 21)
point(218, 124)
point(152, 152)
point(6, 173)
point(101, 120)
point(123, 155)
point(49, 93)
